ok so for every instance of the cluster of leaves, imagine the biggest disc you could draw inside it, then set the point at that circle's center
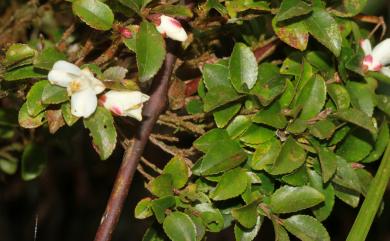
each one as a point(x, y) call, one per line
point(290, 135)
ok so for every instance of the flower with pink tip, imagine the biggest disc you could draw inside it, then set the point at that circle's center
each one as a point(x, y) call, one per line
point(124, 103)
point(376, 59)
point(171, 28)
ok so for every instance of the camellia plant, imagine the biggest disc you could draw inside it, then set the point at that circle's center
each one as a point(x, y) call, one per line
point(285, 100)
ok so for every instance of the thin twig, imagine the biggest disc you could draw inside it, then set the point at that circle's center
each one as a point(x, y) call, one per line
point(141, 170)
point(153, 108)
point(151, 165)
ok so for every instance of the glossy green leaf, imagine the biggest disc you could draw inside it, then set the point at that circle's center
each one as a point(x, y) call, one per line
point(224, 115)
point(271, 116)
point(291, 157)
point(150, 51)
point(9, 164)
point(94, 13)
point(265, 155)
point(210, 139)
point(21, 73)
point(362, 97)
point(328, 163)
point(323, 129)
point(179, 227)
point(280, 233)
point(16, 53)
point(102, 131)
point(322, 26)
point(292, 8)
point(161, 186)
point(312, 97)
point(383, 102)
point(34, 98)
point(339, 95)
point(346, 176)
point(242, 68)
point(289, 199)
point(246, 215)
point(358, 118)
point(380, 144)
point(323, 210)
point(244, 234)
point(211, 217)
point(33, 161)
point(27, 121)
point(354, 148)
point(294, 34)
point(161, 205)
point(53, 94)
point(238, 126)
point(152, 234)
point(348, 196)
point(143, 209)
point(46, 59)
point(174, 10)
point(306, 228)
point(67, 114)
point(257, 134)
point(232, 184)
point(270, 83)
point(178, 170)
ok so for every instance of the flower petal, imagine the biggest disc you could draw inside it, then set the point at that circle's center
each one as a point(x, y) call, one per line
point(93, 82)
point(366, 46)
point(66, 67)
point(59, 77)
point(381, 52)
point(386, 71)
point(135, 113)
point(172, 28)
point(123, 102)
point(84, 103)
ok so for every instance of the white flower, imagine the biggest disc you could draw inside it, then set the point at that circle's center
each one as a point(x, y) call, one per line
point(124, 103)
point(376, 59)
point(81, 85)
point(171, 28)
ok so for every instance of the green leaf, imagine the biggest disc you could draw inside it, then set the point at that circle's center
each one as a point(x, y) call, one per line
point(161, 186)
point(354, 148)
point(358, 118)
point(322, 211)
point(17, 53)
point(306, 228)
point(53, 94)
point(312, 97)
point(34, 96)
point(33, 161)
point(179, 227)
point(216, 161)
point(178, 170)
point(346, 176)
point(271, 116)
point(291, 157)
point(224, 115)
point(94, 13)
point(194, 106)
point(384, 103)
point(211, 217)
point(27, 121)
point(152, 234)
point(270, 83)
point(103, 132)
point(348, 196)
point(143, 209)
point(242, 68)
point(8, 165)
point(238, 126)
point(280, 233)
point(380, 144)
point(244, 234)
point(323, 129)
point(294, 34)
point(46, 59)
point(210, 139)
point(67, 114)
point(257, 134)
point(324, 28)
point(160, 206)
point(150, 51)
point(265, 155)
point(26, 72)
point(339, 95)
point(246, 215)
point(292, 8)
point(328, 163)
point(289, 199)
point(362, 97)
point(174, 10)
point(232, 184)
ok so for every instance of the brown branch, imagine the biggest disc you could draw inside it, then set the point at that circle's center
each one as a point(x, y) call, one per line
point(154, 107)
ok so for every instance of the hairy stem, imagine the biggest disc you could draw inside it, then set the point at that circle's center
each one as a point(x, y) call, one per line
point(373, 200)
point(153, 108)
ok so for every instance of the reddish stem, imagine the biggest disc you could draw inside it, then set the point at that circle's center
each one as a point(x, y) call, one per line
point(153, 108)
